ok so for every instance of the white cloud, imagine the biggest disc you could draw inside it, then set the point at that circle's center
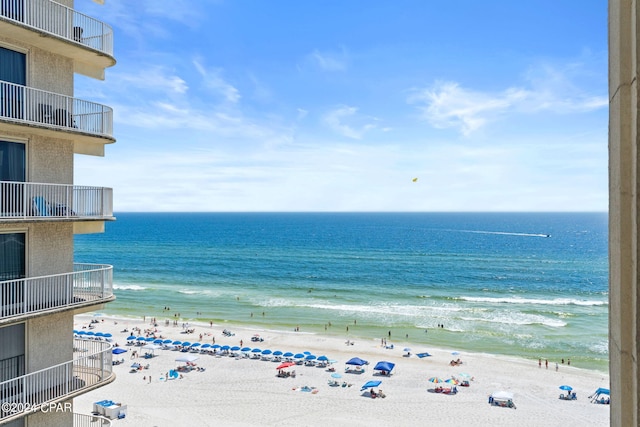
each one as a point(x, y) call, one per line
point(345, 121)
point(447, 104)
point(212, 80)
point(329, 61)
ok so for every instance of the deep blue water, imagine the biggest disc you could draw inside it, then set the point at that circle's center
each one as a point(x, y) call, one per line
point(525, 284)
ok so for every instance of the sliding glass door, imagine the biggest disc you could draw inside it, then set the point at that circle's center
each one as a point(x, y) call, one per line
point(12, 273)
point(12, 175)
point(13, 79)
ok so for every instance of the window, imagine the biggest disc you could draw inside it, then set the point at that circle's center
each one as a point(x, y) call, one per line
point(13, 78)
point(12, 171)
point(12, 363)
point(12, 274)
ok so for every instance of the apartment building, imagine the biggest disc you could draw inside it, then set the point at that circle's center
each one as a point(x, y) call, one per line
point(43, 44)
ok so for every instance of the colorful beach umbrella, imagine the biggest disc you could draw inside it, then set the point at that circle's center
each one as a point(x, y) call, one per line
point(436, 380)
point(285, 365)
point(451, 381)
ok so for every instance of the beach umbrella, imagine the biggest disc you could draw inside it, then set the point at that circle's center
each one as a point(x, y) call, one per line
point(235, 348)
point(99, 334)
point(141, 339)
point(158, 341)
point(149, 339)
point(310, 357)
point(370, 384)
point(406, 349)
point(277, 353)
point(464, 375)
point(451, 381)
point(256, 350)
point(436, 380)
point(298, 356)
point(266, 352)
point(502, 395)
point(75, 331)
point(206, 345)
point(82, 332)
point(306, 352)
point(245, 349)
point(119, 350)
point(186, 358)
point(167, 341)
point(566, 387)
point(186, 344)
point(195, 344)
point(323, 358)
point(285, 365)
point(135, 365)
point(91, 333)
point(288, 354)
point(216, 346)
point(225, 348)
point(176, 342)
point(336, 375)
point(131, 338)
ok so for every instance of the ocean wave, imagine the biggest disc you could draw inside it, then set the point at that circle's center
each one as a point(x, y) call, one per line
point(518, 319)
point(129, 287)
point(516, 300)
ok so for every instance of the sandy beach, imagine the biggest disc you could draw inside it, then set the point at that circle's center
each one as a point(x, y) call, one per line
point(242, 391)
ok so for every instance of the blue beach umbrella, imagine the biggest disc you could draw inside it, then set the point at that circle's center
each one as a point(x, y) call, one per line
point(195, 344)
point(131, 338)
point(235, 348)
point(299, 356)
point(140, 339)
point(82, 332)
point(277, 353)
point(225, 347)
point(186, 344)
point(306, 352)
point(158, 341)
point(288, 354)
point(566, 387)
point(149, 339)
point(206, 345)
point(310, 357)
point(107, 335)
point(166, 342)
point(99, 334)
point(256, 350)
point(75, 331)
point(91, 333)
point(323, 358)
point(176, 342)
point(266, 352)
point(245, 349)
point(216, 346)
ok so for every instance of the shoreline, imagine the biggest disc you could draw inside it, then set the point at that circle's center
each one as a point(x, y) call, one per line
point(242, 391)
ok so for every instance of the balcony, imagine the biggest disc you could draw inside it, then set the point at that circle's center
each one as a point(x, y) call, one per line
point(20, 201)
point(82, 121)
point(87, 285)
point(83, 420)
point(90, 368)
point(59, 29)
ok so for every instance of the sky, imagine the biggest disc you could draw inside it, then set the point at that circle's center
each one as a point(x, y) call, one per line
point(349, 106)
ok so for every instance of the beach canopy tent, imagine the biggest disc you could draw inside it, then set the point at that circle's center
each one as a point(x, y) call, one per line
point(384, 366)
point(502, 395)
point(599, 394)
point(187, 358)
point(119, 350)
point(356, 361)
point(371, 384)
point(151, 347)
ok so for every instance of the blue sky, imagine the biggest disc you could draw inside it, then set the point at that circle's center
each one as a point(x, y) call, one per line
point(253, 105)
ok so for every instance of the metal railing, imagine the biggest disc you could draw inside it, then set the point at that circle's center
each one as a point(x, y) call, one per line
point(83, 420)
point(29, 200)
point(41, 107)
point(59, 20)
point(91, 365)
point(87, 283)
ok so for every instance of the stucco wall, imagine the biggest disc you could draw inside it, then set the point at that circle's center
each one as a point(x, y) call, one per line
point(49, 341)
point(50, 248)
point(50, 161)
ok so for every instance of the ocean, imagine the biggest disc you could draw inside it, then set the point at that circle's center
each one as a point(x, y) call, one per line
point(532, 285)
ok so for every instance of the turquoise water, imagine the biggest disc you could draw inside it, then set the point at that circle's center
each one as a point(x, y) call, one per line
point(530, 285)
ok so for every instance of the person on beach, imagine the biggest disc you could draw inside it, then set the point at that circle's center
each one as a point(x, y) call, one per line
point(546, 363)
point(539, 363)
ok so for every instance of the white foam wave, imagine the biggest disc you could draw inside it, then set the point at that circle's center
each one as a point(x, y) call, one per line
point(129, 287)
point(516, 300)
point(518, 319)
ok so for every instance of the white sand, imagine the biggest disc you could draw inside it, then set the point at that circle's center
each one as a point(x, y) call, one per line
point(247, 392)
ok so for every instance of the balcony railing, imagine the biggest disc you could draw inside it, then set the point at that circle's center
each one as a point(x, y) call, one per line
point(91, 366)
point(29, 105)
point(86, 284)
point(61, 21)
point(28, 200)
point(83, 420)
